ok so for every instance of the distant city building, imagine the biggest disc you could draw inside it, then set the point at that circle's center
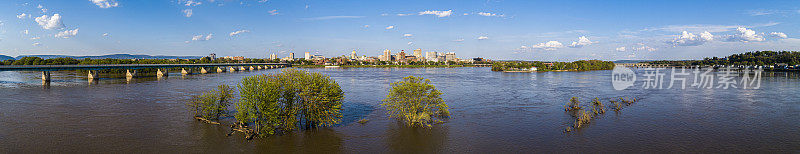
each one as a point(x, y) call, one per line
point(318, 57)
point(450, 56)
point(387, 55)
point(401, 56)
point(307, 56)
point(291, 55)
point(234, 57)
point(273, 56)
point(431, 56)
point(213, 56)
point(418, 53)
point(353, 55)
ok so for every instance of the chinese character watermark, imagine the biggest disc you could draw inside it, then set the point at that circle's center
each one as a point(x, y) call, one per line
point(703, 78)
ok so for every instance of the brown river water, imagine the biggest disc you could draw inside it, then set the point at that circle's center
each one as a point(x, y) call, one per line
point(491, 112)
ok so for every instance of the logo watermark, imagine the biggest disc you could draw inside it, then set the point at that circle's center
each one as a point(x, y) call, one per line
point(702, 78)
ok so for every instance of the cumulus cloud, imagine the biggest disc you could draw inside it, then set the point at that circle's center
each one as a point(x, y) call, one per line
point(23, 15)
point(488, 14)
point(238, 32)
point(35, 38)
point(621, 49)
point(187, 12)
point(582, 41)
point(273, 12)
point(105, 3)
point(202, 37)
point(689, 39)
point(36, 44)
point(50, 22)
point(407, 35)
point(778, 35)
point(105, 34)
point(409, 43)
point(745, 35)
point(390, 27)
point(644, 48)
point(482, 37)
point(437, 13)
point(400, 14)
point(549, 45)
point(459, 40)
point(67, 33)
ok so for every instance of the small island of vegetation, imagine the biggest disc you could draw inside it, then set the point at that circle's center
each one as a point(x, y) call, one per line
point(538, 66)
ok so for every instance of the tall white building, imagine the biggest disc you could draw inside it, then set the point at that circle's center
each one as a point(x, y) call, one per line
point(450, 56)
point(353, 55)
point(307, 56)
point(273, 56)
point(431, 56)
point(387, 55)
point(418, 53)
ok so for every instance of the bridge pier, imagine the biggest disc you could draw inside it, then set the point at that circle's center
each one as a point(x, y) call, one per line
point(185, 72)
point(161, 73)
point(45, 76)
point(259, 67)
point(233, 69)
point(220, 70)
point(203, 70)
point(241, 68)
point(251, 68)
point(93, 75)
point(131, 74)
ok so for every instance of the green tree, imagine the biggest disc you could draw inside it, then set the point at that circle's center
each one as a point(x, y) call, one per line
point(415, 102)
point(285, 101)
point(213, 104)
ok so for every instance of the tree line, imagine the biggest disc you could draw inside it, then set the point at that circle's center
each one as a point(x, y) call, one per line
point(757, 58)
point(581, 65)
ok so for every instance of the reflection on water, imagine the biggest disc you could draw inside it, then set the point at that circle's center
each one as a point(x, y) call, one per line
point(491, 112)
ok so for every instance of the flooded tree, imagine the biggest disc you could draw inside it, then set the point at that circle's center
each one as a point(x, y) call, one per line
point(288, 100)
point(415, 102)
point(211, 105)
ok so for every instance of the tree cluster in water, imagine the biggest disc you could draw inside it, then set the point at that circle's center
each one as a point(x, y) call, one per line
point(294, 99)
point(582, 65)
point(759, 58)
point(585, 114)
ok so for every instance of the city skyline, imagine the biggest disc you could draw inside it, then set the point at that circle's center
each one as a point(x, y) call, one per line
point(500, 30)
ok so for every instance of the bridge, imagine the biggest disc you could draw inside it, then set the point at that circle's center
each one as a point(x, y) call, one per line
point(131, 68)
point(642, 65)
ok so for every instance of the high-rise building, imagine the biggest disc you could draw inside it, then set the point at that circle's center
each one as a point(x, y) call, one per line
point(450, 56)
point(273, 56)
point(430, 55)
point(307, 56)
point(353, 55)
point(212, 56)
point(291, 55)
point(401, 56)
point(387, 55)
point(418, 53)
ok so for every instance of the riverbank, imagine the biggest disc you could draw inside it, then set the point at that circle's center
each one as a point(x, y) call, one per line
point(383, 66)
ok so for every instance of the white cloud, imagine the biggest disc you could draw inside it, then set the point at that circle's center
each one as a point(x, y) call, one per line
point(778, 35)
point(689, 39)
point(23, 15)
point(459, 40)
point(36, 44)
point(710, 28)
point(366, 26)
point(105, 3)
point(400, 14)
point(643, 48)
point(482, 37)
point(187, 12)
point(409, 43)
point(333, 17)
point(745, 35)
point(549, 45)
point(238, 32)
point(273, 12)
point(438, 13)
point(39, 6)
point(35, 38)
point(488, 14)
point(50, 22)
point(202, 37)
point(67, 33)
point(192, 3)
point(407, 35)
point(582, 41)
point(621, 49)
point(263, 1)
point(390, 27)
point(105, 34)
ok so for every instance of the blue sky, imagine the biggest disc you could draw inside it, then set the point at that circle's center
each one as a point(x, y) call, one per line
point(495, 29)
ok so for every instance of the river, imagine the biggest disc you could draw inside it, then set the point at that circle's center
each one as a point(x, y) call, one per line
point(491, 112)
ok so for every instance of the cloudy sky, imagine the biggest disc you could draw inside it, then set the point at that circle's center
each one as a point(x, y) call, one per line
point(495, 29)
